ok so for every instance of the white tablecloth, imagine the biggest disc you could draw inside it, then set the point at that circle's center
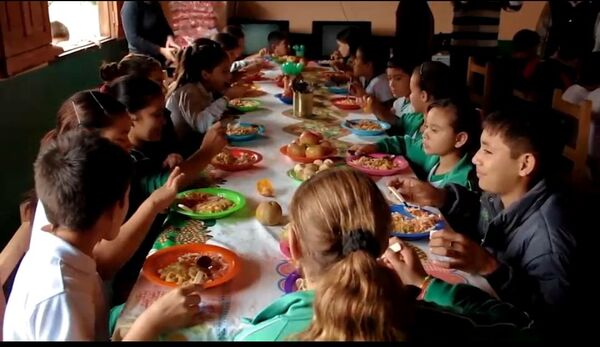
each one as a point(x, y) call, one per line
point(264, 267)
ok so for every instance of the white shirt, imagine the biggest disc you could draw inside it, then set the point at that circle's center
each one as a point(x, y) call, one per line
point(402, 106)
point(380, 88)
point(39, 220)
point(57, 295)
point(193, 109)
point(576, 94)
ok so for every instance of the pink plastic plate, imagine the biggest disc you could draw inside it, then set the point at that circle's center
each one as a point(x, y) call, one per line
point(399, 162)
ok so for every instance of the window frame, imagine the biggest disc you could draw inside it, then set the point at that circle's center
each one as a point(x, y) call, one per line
point(37, 28)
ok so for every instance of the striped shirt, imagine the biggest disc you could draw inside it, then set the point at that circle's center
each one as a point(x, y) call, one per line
point(475, 23)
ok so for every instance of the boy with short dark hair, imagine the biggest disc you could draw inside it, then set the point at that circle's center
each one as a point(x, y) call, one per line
point(278, 43)
point(82, 181)
point(516, 233)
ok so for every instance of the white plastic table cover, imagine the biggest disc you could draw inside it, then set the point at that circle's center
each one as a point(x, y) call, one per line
point(264, 267)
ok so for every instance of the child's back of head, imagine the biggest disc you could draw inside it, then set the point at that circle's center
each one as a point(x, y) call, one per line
point(341, 221)
point(132, 64)
point(79, 176)
point(526, 42)
point(86, 109)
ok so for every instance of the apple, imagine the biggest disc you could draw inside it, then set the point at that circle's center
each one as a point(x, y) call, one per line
point(295, 150)
point(309, 138)
point(315, 151)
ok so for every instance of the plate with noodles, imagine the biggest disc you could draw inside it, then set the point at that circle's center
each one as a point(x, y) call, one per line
point(378, 164)
point(245, 105)
point(244, 131)
point(236, 159)
point(366, 127)
point(180, 265)
point(346, 103)
point(414, 222)
point(209, 203)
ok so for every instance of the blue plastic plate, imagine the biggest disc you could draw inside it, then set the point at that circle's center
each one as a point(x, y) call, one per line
point(287, 101)
point(239, 138)
point(414, 236)
point(349, 124)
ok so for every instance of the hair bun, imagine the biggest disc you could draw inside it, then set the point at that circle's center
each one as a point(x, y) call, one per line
point(109, 71)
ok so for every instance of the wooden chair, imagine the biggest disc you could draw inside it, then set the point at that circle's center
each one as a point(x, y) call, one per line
point(576, 151)
point(481, 98)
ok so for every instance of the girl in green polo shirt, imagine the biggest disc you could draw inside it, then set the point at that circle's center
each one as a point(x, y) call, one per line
point(429, 81)
point(443, 154)
point(355, 290)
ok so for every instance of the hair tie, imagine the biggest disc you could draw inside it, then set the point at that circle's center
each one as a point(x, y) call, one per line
point(360, 240)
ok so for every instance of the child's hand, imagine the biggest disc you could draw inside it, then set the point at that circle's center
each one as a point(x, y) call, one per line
point(164, 196)
point(172, 160)
point(253, 68)
point(336, 55)
point(214, 140)
point(405, 263)
point(176, 309)
point(357, 89)
point(237, 91)
point(263, 52)
point(363, 149)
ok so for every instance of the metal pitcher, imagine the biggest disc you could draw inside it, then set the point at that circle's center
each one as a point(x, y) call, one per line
point(303, 104)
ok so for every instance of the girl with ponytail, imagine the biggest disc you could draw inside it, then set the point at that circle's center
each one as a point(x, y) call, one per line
point(359, 290)
point(200, 92)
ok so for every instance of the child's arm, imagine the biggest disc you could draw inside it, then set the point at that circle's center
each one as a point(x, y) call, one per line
point(112, 255)
point(391, 145)
point(411, 123)
point(381, 111)
point(14, 250)
point(199, 111)
point(176, 309)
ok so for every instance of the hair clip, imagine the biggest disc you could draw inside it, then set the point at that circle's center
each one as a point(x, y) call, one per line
point(76, 113)
point(99, 104)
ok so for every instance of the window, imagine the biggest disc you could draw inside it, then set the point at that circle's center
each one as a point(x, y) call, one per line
point(26, 32)
point(74, 23)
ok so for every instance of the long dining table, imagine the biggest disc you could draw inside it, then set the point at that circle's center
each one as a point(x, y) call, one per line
point(264, 269)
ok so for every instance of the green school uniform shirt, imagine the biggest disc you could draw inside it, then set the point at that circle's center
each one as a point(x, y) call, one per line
point(425, 165)
point(410, 124)
point(448, 311)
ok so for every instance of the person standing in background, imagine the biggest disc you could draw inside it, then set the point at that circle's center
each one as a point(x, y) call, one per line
point(475, 32)
point(414, 30)
point(147, 30)
point(563, 22)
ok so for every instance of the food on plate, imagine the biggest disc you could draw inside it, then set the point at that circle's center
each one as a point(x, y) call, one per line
point(347, 102)
point(306, 171)
point(269, 213)
point(309, 138)
point(366, 124)
point(384, 163)
point(226, 158)
point(421, 222)
point(237, 130)
point(309, 145)
point(206, 203)
point(265, 188)
point(243, 103)
point(201, 268)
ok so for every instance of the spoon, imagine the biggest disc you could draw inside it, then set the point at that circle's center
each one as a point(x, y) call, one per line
point(183, 207)
point(398, 196)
